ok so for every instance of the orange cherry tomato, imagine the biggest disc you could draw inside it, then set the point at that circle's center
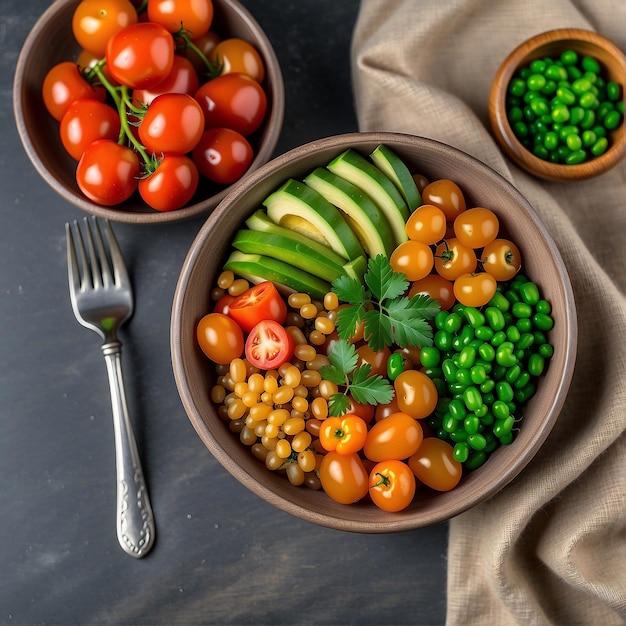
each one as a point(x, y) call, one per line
point(235, 55)
point(344, 477)
point(502, 259)
point(220, 337)
point(195, 16)
point(392, 485)
point(383, 411)
point(416, 393)
point(434, 465)
point(476, 227)
point(377, 360)
point(446, 195)
point(437, 287)
point(452, 259)
point(364, 411)
point(413, 258)
point(260, 302)
point(398, 436)
point(475, 289)
point(345, 434)
point(426, 224)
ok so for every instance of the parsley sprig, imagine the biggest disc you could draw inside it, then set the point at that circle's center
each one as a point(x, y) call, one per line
point(389, 317)
point(356, 382)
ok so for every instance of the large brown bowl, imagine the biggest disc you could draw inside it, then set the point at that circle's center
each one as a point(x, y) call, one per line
point(195, 374)
point(51, 41)
point(551, 44)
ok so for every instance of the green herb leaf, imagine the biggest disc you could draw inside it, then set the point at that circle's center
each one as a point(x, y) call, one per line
point(338, 404)
point(348, 319)
point(343, 356)
point(377, 329)
point(383, 281)
point(350, 290)
point(424, 306)
point(367, 389)
point(407, 328)
point(333, 373)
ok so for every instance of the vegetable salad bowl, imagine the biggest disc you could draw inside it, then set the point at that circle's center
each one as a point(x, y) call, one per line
point(195, 374)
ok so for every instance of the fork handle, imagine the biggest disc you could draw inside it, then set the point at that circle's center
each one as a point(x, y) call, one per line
point(135, 520)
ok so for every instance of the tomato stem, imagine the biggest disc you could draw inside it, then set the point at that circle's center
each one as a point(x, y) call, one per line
point(213, 69)
point(383, 480)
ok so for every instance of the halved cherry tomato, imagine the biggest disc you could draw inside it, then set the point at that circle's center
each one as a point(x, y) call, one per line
point(223, 155)
point(397, 436)
point(172, 185)
point(502, 259)
point(437, 287)
point(345, 434)
point(391, 485)
point(344, 477)
point(435, 466)
point(140, 56)
point(220, 337)
point(269, 345)
point(260, 302)
point(475, 289)
point(235, 55)
point(416, 393)
point(446, 195)
point(195, 16)
point(107, 172)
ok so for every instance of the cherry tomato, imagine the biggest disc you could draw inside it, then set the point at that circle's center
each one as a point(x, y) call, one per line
point(140, 56)
point(398, 436)
point(426, 224)
point(377, 360)
point(435, 286)
point(269, 345)
point(64, 84)
point(84, 122)
point(260, 302)
point(205, 45)
point(452, 259)
point(343, 477)
point(107, 172)
point(223, 155)
point(182, 79)
point(392, 485)
point(435, 466)
point(421, 181)
point(345, 434)
point(364, 411)
point(235, 55)
point(476, 227)
point(195, 16)
point(413, 258)
point(220, 338)
point(502, 259)
point(173, 124)
point(446, 195)
point(416, 393)
point(223, 304)
point(233, 101)
point(172, 185)
point(475, 289)
point(94, 22)
point(383, 411)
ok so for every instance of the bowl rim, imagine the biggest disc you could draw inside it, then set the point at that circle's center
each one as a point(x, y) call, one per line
point(273, 125)
point(502, 128)
point(398, 523)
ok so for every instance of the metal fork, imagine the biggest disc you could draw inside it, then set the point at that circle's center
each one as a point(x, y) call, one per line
point(102, 300)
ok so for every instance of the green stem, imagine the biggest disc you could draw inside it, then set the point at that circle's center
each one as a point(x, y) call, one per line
point(213, 69)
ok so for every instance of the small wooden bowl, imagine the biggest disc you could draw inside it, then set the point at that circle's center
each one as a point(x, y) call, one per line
point(552, 44)
point(195, 375)
point(51, 41)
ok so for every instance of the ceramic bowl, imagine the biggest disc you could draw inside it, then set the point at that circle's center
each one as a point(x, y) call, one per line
point(51, 41)
point(551, 44)
point(194, 373)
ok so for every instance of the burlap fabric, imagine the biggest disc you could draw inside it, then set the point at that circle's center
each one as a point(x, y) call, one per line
point(551, 547)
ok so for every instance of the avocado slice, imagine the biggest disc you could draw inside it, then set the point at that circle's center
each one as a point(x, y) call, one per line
point(256, 268)
point(390, 164)
point(364, 217)
point(365, 175)
point(299, 207)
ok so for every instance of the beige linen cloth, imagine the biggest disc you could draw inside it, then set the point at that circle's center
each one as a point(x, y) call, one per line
point(551, 547)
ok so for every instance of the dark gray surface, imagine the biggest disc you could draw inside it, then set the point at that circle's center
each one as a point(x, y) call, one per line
point(222, 555)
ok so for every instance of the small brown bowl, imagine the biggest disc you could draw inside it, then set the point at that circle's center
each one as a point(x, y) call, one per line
point(51, 41)
point(552, 44)
point(195, 375)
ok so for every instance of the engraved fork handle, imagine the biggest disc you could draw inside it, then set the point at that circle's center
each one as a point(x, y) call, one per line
point(135, 520)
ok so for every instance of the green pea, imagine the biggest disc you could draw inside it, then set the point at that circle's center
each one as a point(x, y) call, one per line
point(536, 82)
point(612, 120)
point(536, 364)
point(504, 354)
point(498, 338)
point(475, 460)
point(522, 380)
point(500, 410)
point(526, 393)
point(498, 301)
point(569, 57)
point(484, 333)
point(443, 340)
point(478, 374)
point(574, 142)
point(504, 391)
point(539, 106)
point(588, 101)
point(524, 325)
point(565, 95)
point(543, 306)
point(513, 373)
point(613, 91)
point(472, 398)
point(463, 377)
point(525, 341)
point(521, 310)
point(589, 64)
point(487, 352)
point(546, 350)
point(465, 337)
point(449, 424)
point(543, 321)
point(474, 317)
point(440, 385)
point(588, 138)
point(581, 86)
point(529, 114)
point(599, 147)
point(576, 115)
point(395, 365)
point(540, 151)
point(453, 323)
point(604, 108)
point(467, 357)
point(429, 356)
point(517, 87)
point(506, 439)
point(560, 113)
point(460, 452)
point(512, 334)
point(576, 157)
point(471, 424)
point(515, 114)
point(458, 435)
point(477, 441)
point(487, 386)
point(495, 317)
point(503, 426)
point(440, 320)
point(456, 408)
point(449, 370)
point(512, 296)
point(554, 72)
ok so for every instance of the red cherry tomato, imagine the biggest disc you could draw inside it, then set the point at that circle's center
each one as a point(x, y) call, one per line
point(182, 79)
point(173, 124)
point(236, 56)
point(435, 465)
point(233, 101)
point(195, 16)
point(172, 185)
point(391, 485)
point(397, 436)
point(268, 345)
point(223, 304)
point(84, 122)
point(64, 84)
point(436, 287)
point(260, 302)
point(140, 56)
point(344, 477)
point(220, 338)
point(345, 434)
point(223, 155)
point(94, 22)
point(416, 393)
point(107, 172)
point(502, 259)
point(475, 289)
